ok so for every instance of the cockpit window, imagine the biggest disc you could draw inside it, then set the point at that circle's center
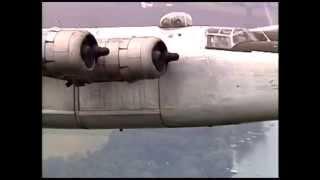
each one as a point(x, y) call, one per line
point(213, 30)
point(240, 36)
point(226, 31)
point(220, 42)
point(227, 38)
point(260, 36)
point(273, 36)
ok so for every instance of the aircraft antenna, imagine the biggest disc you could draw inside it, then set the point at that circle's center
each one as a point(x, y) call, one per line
point(266, 10)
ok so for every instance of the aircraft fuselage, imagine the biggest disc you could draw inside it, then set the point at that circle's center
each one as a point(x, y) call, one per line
point(205, 87)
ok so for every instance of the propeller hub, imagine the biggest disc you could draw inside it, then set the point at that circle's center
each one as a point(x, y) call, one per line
point(90, 54)
point(162, 58)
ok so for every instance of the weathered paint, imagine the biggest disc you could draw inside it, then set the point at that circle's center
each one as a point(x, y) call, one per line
point(205, 87)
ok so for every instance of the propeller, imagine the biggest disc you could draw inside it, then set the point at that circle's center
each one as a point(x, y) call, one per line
point(91, 53)
point(162, 58)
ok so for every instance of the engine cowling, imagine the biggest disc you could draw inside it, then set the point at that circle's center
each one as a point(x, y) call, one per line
point(69, 54)
point(132, 59)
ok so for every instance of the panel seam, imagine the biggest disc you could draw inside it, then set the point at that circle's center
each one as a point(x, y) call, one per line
point(160, 113)
point(77, 107)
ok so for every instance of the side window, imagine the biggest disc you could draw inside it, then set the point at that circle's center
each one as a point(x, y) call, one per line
point(218, 38)
point(221, 42)
point(213, 30)
point(272, 35)
point(210, 41)
point(240, 37)
point(260, 36)
point(226, 31)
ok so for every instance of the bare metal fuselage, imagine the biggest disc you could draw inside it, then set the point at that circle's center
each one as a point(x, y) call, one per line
point(206, 87)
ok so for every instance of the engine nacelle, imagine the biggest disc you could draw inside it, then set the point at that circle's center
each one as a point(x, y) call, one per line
point(69, 54)
point(132, 59)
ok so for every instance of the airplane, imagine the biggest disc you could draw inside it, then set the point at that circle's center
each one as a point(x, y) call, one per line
point(167, 76)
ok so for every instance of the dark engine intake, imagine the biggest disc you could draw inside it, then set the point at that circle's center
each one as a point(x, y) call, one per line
point(69, 54)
